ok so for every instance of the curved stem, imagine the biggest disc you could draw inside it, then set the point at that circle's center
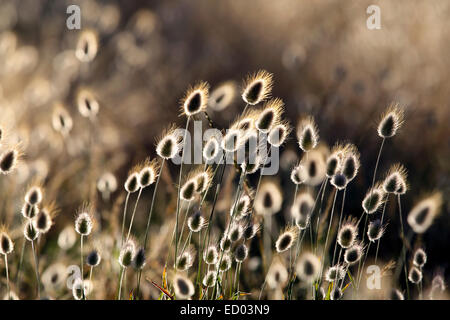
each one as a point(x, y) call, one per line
point(134, 212)
point(36, 264)
point(124, 215)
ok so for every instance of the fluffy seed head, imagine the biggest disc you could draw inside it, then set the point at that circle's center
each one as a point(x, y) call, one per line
point(375, 230)
point(127, 254)
point(203, 180)
point(277, 275)
point(307, 134)
point(390, 121)
point(84, 223)
point(222, 96)
point(270, 115)
point(348, 233)
point(185, 260)
point(420, 258)
point(232, 140)
point(187, 192)
point(87, 103)
point(29, 211)
point(93, 258)
point(61, 120)
point(242, 207)
point(373, 200)
point(29, 231)
point(251, 230)
point(169, 145)
point(139, 259)
point(211, 255)
point(334, 160)
point(33, 195)
point(415, 275)
point(196, 221)
point(6, 244)
point(225, 243)
point(236, 231)
point(148, 173)
point(395, 181)
point(209, 279)
point(353, 254)
point(286, 239)
point(257, 87)
point(422, 214)
point(308, 267)
point(87, 46)
point(278, 134)
point(335, 273)
point(299, 174)
point(269, 199)
point(350, 163)
point(131, 185)
point(43, 220)
point(339, 181)
point(226, 262)
point(195, 99)
point(240, 253)
point(8, 160)
point(184, 289)
point(211, 149)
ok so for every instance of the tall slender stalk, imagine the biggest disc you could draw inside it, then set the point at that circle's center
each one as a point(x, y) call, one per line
point(81, 262)
point(381, 223)
point(124, 216)
point(7, 277)
point(134, 212)
point(36, 265)
point(328, 233)
point(339, 224)
point(122, 272)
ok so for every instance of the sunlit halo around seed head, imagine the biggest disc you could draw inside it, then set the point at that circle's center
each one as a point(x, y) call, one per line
point(195, 99)
point(257, 87)
point(307, 134)
point(391, 121)
point(423, 213)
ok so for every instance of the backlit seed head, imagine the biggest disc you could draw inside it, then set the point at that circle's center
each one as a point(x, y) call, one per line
point(222, 96)
point(420, 258)
point(211, 255)
point(335, 273)
point(30, 233)
point(373, 200)
point(303, 205)
point(84, 223)
point(93, 258)
point(375, 230)
point(127, 254)
point(209, 279)
point(308, 267)
point(78, 291)
point(299, 174)
point(67, 238)
point(186, 260)
point(196, 221)
point(333, 165)
point(270, 115)
point(240, 253)
point(422, 214)
point(269, 198)
point(225, 243)
point(131, 185)
point(6, 244)
point(307, 134)
point(353, 254)
point(315, 165)
point(211, 149)
point(139, 259)
point(396, 295)
point(107, 183)
point(203, 180)
point(242, 207)
point(339, 181)
point(286, 239)
point(187, 192)
point(44, 220)
point(226, 262)
point(391, 121)
point(336, 293)
point(183, 287)
point(236, 231)
point(350, 162)
point(34, 195)
point(415, 275)
point(395, 179)
point(401, 188)
point(278, 134)
point(251, 230)
point(277, 275)
point(232, 140)
point(87, 46)
point(9, 160)
point(169, 144)
point(148, 173)
point(348, 233)
point(61, 120)
point(195, 99)
point(29, 211)
point(87, 103)
point(257, 87)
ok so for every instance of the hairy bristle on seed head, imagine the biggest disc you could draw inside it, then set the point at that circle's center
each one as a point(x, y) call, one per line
point(195, 99)
point(127, 253)
point(415, 275)
point(395, 181)
point(350, 162)
point(84, 221)
point(373, 200)
point(353, 254)
point(348, 233)
point(29, 231)
point(8, 160)
point(270, 115)
point(93, 258)
point(211, 149)
point(307, 134)
point(286, 239)
point(6, 244)
point(423, 213)
point(131, 185)
point(335, 273)
point(391, 121)
point(375, 230)
point(148, 173)
point(240, 253)
point(257, 87)
point(299, 174)
point(196, 221)
point(169, 144)
point(211, 255)
point(183, 287)
point(420, 258)
point(278, 134)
